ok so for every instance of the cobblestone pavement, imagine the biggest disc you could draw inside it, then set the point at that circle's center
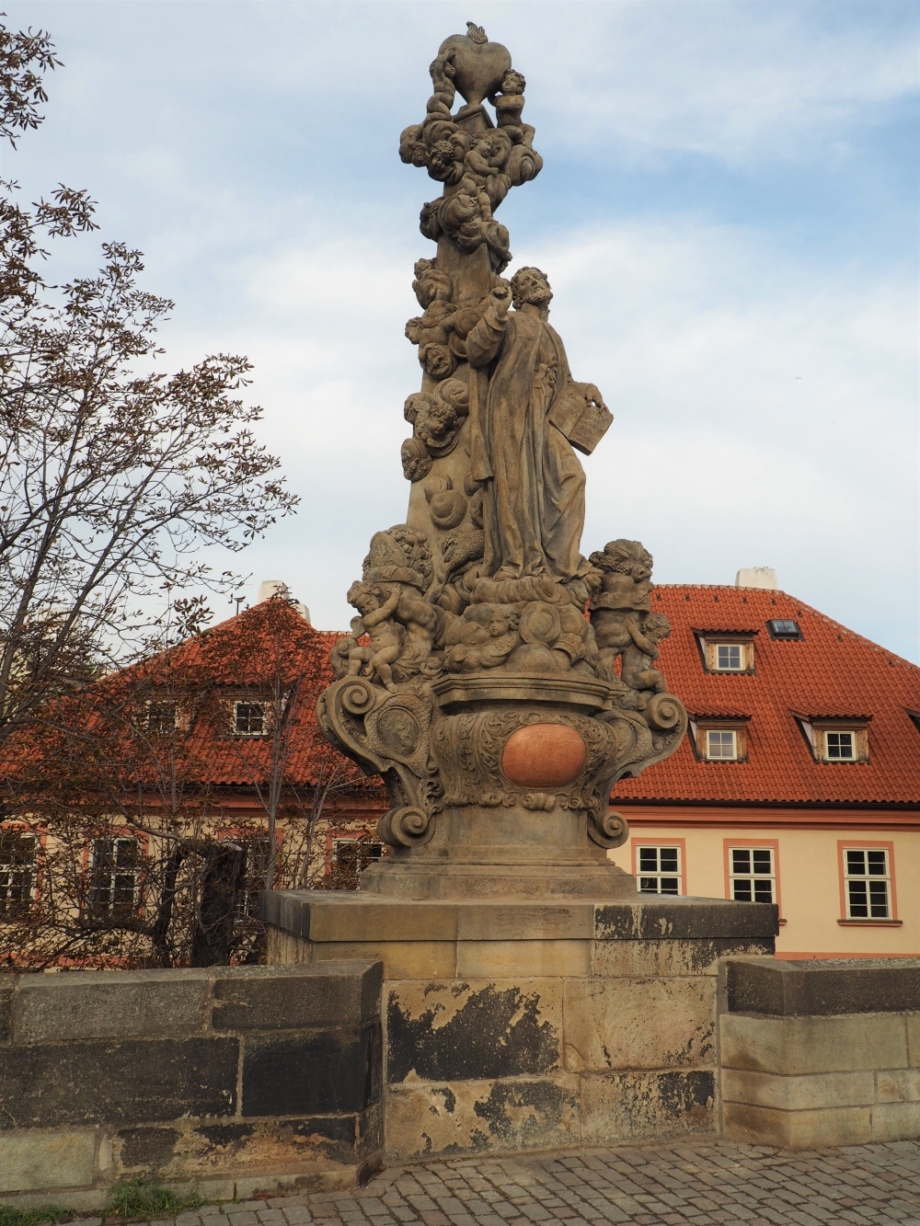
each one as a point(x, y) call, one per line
point(670, 1185)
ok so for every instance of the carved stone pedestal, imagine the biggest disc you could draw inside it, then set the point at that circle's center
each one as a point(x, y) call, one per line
point(511, 1026)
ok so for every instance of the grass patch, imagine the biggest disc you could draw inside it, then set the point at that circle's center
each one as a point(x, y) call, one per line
point(139, 1198)
point(30, 1217)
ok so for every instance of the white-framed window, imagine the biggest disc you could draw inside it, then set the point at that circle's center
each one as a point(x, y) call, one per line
point(721, 744)
point(249, 719)
point(840, 746)
point(18, 863)
point(115, 873)
point(354, 855)
point(729, 657)
point(867, 883)
point(161, 718)
point(658, 869)
point(752, 874)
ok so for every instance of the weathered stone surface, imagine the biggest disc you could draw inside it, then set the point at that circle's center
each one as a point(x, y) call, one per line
point(667, 958)
point(327, 994)
point(803, 1093)
point(639, 1023)
point(898, 1085)
point(798, 1129)
point(495, 921)
point(516, 959)
point(464, 1116)
point(823, 988)
point(94, 1006)
point(630, 1105)
point(36, 1161)
point(895, 1121)
point(813, 1044)
point(693, 918)
point(118, 1082)
point(194, 1149)
point(401, 959)
point(316, 1074)
point(913, 1038)
point(473, 1031)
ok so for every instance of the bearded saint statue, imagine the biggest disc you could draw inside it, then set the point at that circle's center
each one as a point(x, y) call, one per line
point(533, 483)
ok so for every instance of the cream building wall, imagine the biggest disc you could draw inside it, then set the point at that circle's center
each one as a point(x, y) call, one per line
point(809, 882)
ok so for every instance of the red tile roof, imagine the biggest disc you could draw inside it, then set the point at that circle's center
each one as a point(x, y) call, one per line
point(830, 672)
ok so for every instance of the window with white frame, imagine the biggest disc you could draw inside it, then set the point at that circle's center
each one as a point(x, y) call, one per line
point(658, 869)
point(727, 655)
point(721, 744)
point(752, 874)
point(249, 719)
point(840, 746)
point(18, 857)
point(867, 883)
point(114, 881)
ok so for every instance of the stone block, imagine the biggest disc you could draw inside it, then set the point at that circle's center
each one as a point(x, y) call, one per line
point(425, 1119)
point(913, 1038)
point(191, 1149)
point(639, 1023)
point(38, 1161)
point(285, 949)
point(656, 919)
point(804, 1093)
point(669, 958)
point(476, 1030)
point(134, 1081)
point(516, 959)
point(315, 1073)
point(632, 1105)
point(109, 1004)
point(525, 921)
point(793, 1045)
point(822, 988)
point(896, 1121)
point(351, 917)
point(898, 1085)
point(289, 998)
point(797, 1129)
point(401, 959)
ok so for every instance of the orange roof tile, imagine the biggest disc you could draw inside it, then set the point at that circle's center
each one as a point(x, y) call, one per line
point(830, 672)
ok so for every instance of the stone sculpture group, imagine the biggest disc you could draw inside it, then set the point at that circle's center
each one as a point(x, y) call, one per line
point(493, 672)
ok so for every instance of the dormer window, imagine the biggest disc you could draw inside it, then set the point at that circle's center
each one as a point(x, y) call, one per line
point(837, 740)
point(719, 739)
point(725, 652)
point(249, 719)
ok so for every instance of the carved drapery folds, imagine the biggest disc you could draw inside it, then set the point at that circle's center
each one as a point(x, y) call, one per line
point(492, 667)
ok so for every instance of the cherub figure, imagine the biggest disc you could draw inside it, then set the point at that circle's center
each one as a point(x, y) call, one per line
point(626, 567)
point(386, 636)
point(484, 644)
point(339, 657)
point(638, 657)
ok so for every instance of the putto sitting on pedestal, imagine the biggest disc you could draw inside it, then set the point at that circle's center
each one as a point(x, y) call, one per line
point(497, 679)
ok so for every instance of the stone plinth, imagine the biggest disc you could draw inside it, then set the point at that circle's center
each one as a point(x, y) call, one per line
point(522, 1025)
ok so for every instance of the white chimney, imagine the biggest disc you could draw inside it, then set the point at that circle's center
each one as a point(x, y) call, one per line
point(277, 587)
point(757, 576)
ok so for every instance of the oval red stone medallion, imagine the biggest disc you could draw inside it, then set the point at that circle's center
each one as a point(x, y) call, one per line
point(543, 756)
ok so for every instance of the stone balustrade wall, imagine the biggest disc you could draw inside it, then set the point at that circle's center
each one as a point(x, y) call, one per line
point(232, 1080)
point(820, 1053)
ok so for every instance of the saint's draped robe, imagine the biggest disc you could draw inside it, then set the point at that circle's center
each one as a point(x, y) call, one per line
point(534, 485)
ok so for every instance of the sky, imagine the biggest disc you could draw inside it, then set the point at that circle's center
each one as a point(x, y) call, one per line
point(728, 213)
